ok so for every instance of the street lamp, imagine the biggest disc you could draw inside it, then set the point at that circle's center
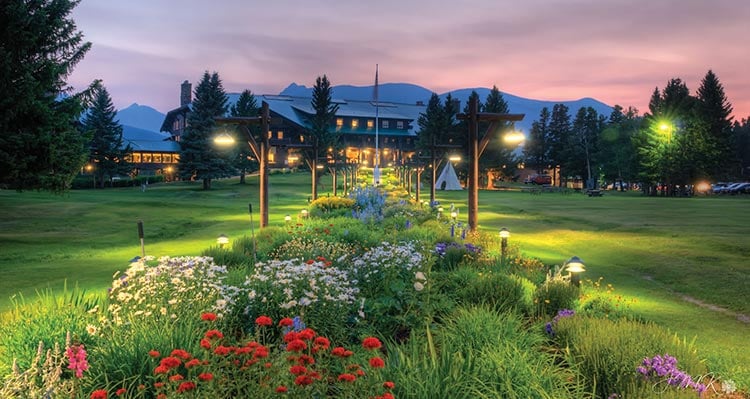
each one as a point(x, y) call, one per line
point(222, 240)
point(477, 147)
point(514, 138)
point(574, 266)
point(504, 234)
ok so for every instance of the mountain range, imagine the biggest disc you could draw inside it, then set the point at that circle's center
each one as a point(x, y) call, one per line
point(148, 118)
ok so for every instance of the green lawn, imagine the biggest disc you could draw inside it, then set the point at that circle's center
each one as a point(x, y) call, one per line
point(653, 250)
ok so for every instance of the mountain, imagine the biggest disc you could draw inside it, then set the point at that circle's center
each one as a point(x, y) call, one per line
point(141, 117)
point(407, 93)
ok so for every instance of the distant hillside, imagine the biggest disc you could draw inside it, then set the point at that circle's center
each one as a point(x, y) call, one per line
point(141, 116)
point(409, 94)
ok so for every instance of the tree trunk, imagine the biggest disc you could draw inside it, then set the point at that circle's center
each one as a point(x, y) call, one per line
point(206, 184)
point(242, 175)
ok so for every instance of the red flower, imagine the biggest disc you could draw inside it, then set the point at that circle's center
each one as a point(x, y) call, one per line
point(305, 359)
point(211, 334)
point(99, 394)
point(261, 351)
point(170, 362)
point(371, 343)
point(360, 373)
point(310, 261)
point(286, 322)
point(161, 396)
point(338, 351)
point(298, 370)
point(306, 334)
point(222, 350)
point(303, 380)
point(193, 363)
point(205, 376)
point(205, 344)
point(322, 342)
point(281, 389)
point(208, 316)
point(154, 353)
point(290, 336)
point(186, 386)
point(264, 321)
point(121, 391)
point(347, 377)
point(268, 365)
point(181, 354)
point(320, 258)
point(389, 385)
point(296, 346)
point(176, 377)
point(387, 395)
point(377, 363)
point(158, 385)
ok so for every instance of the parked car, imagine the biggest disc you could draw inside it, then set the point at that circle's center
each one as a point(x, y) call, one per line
point(738, 188)
point(538, 179)
point(717, 188)
point(728, 188)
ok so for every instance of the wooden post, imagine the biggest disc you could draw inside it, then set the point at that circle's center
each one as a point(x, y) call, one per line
point(264, 165)
point(473, 164)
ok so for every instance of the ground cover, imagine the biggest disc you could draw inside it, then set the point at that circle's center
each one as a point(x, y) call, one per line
point(644, 246)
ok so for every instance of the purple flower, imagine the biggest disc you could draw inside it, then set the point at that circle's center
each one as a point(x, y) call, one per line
point(666, 366)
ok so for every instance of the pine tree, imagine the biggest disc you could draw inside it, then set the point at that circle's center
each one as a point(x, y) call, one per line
point(536, 150)
point(498, 156)
point(321, 135)
point(584, 140)
point(431, 124)
point(617, 150)
point(559, 139)
point(199, 159)
point(246, 106)
point(715, 110)
point(40, 146)
point(107, 149)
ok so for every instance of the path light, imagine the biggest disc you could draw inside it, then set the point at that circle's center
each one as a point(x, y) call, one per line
point(454, 215)
point(504, 234)
point(222, 240)
point(574, 266)
point(288, 218)
point(303, 213)
point(440, 212)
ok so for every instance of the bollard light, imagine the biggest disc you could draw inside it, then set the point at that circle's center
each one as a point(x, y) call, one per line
point(454, 215)
point(288, 218)
point(304, 213)
point(574, 266)
point(222, 240)
point(504, 234)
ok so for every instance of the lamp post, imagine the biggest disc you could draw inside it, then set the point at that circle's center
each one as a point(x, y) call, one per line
point(574, 266)
point(504, 234)
point(303, 213)
point(440, 212)
point(476, 148)
point(222, 240)
point(287, 219)
point(259, 150)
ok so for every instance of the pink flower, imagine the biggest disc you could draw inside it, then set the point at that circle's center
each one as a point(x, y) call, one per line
point(77, 360)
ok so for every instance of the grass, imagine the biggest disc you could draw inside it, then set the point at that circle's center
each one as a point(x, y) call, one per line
point(653, 249)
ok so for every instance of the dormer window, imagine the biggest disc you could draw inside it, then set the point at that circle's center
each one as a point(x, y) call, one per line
point(355, 123)
point(339, 122)
point(370, 123)
point(399, 124)
point(386, 124)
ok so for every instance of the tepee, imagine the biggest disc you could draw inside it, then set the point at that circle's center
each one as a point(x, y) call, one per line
point(448, 179)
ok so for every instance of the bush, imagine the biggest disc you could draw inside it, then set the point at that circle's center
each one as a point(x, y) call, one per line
point(325, 205)
point(312, 247)
point(607, 353)
point(554, 295)
point(228, 257)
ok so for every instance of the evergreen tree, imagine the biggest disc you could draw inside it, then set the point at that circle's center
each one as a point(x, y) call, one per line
point(715, 111)
point(617, 150)
point(584, 144)
point(536, 149)
point(741, 148)
point(559, 139)
point(107, 149)
point(434, 129)
point(40, 147)
point(246, 106)
point(199, 159)
point(498, 157)
point(321, 135)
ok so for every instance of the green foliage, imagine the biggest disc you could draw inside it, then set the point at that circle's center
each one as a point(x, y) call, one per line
point(40, 148)
point(246, 106)
point(46, 320)
point(325, 205)
point(199, 157)
point(228, 257)
point(477, 354)
point(606, 353)
point(496, 291)
point(107, 148)
point(600, 300)
point(554, 295)
point(312, 247)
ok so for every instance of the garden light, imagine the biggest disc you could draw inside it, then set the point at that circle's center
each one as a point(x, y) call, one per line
point(288, 218)
point(222, 240)
point(504, 234)
point(454, 215)
point(303, 213)
point(574, 266)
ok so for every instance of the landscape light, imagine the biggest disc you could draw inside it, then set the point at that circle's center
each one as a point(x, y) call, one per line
point(574, 266)
point(454, 158)
point(504, 234)
point(222, 240)
point(304, 213)
point(288, 218)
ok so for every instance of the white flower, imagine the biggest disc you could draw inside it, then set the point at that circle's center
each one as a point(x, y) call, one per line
point(91, 329)
point(420, 276)
point(304, 301)
point(418, 286)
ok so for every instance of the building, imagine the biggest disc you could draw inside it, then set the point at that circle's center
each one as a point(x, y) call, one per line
point(152, 153)
point(355, 121)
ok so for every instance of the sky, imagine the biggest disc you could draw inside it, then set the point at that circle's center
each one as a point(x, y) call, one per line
point(613, 50)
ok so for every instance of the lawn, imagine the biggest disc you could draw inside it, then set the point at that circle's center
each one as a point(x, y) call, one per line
point(653, 250)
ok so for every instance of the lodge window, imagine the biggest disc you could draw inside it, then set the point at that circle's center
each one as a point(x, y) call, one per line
point(301, 139)
point(355, 123)
point(339, 122)
point(146, 158)
point(136, 157)
point(399, 124)
point(370, 123)
point(280, 135)
point(156, 158)
point(386, 124)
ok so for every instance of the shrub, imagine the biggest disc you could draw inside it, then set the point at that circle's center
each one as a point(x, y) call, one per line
point(327, 204)
point(495, 290)
point(607, 354)
point(601, 301)
point(312, 247)
point(228, 257)
point(554, 295)
point(451, 255)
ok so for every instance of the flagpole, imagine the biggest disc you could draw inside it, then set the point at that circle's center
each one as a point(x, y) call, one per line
point(376, 169)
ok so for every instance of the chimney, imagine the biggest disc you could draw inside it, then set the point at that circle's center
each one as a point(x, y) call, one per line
point(186, 93)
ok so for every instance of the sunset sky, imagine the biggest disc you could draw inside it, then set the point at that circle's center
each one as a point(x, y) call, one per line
point(614, 51)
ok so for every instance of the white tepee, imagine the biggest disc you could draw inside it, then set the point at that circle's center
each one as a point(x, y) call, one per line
point(448, 179)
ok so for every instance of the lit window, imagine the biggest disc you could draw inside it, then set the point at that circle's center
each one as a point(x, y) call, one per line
point(301, 139)
point(270, 133)
point(175, 158)
point(399, 124)
point(355, 123)
point(166, 158)
point(280, 135)
point(146, 158)
point(370, 123)
point(386, 124)
point(339, 122)
point(137, 157)
point(157, 158)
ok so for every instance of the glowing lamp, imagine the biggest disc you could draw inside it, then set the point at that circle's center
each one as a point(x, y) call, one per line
point(222, 240)
point(288, 218)
point(575, 265)
point(224, 140)
point(504, 233)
